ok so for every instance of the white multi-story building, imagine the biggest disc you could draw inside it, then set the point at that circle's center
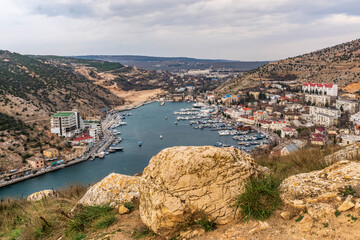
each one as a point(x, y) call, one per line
point(320, 89)
point(355, 118)
point(245, 111)
point(347, 105)
point(324, 116)
point(318, 99)
point(67, 123)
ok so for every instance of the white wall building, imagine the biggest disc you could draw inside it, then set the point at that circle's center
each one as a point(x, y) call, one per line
point(318, 99)
point(324, 116)
point(288, 132)
point(67, 123)
point(320, 89)
point(347, 105)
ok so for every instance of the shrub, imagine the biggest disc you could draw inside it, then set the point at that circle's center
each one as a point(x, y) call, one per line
point(206, 224)
point(130, 206)
point(260, 199)
point(346, 191)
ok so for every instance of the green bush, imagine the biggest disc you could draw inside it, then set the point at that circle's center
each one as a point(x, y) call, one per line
point(260, 199)
point(130, 206)
point(346, 191)
point(206, 224)
point(142, 232)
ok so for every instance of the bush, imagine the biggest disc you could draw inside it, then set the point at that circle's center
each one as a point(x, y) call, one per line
point(260, 199)
point(130, 206)
point(142, 232)
point(346, 191)
point(206, 224)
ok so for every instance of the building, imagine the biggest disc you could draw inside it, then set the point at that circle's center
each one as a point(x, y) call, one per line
point(320, 89)
point(347, 105)
point(51, 153)
point(95, 133)
point(288, 132)
point(322, 100)
point(318, 139)
point(289, 149)
point(324, 116)
point(245, 111)
point(36, 162)
point(349, 139)
point(83, 139)
point(355, 118)
point(67, 123)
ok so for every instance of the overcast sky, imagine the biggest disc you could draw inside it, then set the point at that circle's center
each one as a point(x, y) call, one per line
point(226, 29)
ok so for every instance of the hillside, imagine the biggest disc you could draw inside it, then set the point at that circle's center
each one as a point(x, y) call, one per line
point(339, 64)
point(176, 63)
point(48, 87)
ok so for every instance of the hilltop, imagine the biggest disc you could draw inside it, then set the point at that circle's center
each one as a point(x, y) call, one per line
point(339, 64)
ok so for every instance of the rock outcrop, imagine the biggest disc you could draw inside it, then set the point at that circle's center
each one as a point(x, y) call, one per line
point(113, 190)
point(347, 153)
point(40, 195)
point(318, 191)
point(182, 182)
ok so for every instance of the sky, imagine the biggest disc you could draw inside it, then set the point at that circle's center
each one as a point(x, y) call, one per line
point(211, 29)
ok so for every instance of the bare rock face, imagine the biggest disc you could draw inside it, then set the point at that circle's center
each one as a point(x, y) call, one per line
point(349, 152)
point(40, 195)
point(113, 190)
point(315, 190)
point(181, 182)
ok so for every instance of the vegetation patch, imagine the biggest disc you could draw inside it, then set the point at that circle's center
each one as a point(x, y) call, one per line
point(142, 232)
point(206, 224)
point(346, 191)
point(260, 199)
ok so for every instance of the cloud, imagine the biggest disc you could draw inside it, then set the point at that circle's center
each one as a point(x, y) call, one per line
point(233, 29)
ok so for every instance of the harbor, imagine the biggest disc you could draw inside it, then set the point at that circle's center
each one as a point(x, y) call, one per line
point(145, 125)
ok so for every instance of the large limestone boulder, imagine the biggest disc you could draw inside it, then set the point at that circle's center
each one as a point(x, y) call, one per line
point(306, 189)
point(113, 190)
point(181, 182)
point(40, 195)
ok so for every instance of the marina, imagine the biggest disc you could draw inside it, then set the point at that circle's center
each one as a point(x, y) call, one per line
point(140, 140)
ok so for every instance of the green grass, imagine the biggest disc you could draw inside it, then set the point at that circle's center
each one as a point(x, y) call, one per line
point(130, 206)
point(260, 199)
point(206, 224)
point(299, 218)
point(142, 232)
point(90, 217)
point(337, 213)
point(346, 191)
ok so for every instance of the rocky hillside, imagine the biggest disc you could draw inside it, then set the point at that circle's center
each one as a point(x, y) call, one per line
point(339, 64)
point(47, 87)
point(196, 193)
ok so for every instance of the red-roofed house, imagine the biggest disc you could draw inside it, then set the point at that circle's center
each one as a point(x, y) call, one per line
point(322, 89)
point(83, 139)
point(288, 132)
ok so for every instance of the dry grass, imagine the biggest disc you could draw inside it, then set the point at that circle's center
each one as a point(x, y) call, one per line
point(46, 219)
point(305, 160)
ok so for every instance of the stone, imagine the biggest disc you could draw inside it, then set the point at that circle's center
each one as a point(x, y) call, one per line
point(357, 204)
point(306, 223)
point(286, 215)
point(349, 152)
point(319, 186)
point(114, 189)
point(182, 182)
point(192, 233)
point(261, 227)
point(40, 195)
point(319, 210)
point(123, 210)
point(346, 205)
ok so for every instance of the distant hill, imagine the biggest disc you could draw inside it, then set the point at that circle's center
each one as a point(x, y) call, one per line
point(48, 86)
point(339, 64)
point(175, 63)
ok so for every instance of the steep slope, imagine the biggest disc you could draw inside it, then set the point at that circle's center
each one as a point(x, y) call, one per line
point(339, 64)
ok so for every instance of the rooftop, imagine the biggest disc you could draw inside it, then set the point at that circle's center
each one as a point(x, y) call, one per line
point(63, 114)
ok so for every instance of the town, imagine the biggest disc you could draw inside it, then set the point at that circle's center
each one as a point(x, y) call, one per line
point(293, 115)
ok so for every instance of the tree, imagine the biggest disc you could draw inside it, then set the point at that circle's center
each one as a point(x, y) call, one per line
point(341, 108)
point(326, 104)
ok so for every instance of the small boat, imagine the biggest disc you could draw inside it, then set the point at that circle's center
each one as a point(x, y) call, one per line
point(166, 118)
point(176, 123)
point(161, 137)
point(140, 144)
point(101, 155)
point(111, 150)
point(117, 148)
